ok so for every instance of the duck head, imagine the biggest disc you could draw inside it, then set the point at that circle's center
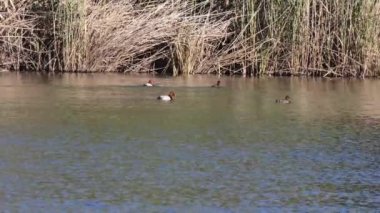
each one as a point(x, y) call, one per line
point(217, 84)
point(287, 97)
point(171, 95)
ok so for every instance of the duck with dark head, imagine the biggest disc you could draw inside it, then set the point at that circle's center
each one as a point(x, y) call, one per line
point(169, 97)
point(286, 100)
point(217, 84)
point(149, 83)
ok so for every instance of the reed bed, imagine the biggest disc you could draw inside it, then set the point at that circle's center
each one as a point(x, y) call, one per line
point(249, 37)
point(19, 45)
point(314, 37)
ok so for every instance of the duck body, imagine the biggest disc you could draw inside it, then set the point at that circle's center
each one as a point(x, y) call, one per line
point(149, 84)
point(284, 101)
point(217, 84)
point(169, 97)
point(164, 98)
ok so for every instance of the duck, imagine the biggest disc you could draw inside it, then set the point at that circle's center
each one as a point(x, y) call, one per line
point(217, 84)
point(149, 83)
point(284, 101)
point(169, 97)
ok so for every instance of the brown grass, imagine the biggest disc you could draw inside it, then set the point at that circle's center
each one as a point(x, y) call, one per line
point(315, 37)
point(122, 37)
point(18, 42)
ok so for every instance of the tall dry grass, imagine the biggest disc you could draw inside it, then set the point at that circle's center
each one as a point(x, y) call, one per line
point(314, 37)
point(19, 45)
point(123, 36)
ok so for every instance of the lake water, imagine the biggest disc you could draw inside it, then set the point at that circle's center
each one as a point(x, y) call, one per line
point(102, 143)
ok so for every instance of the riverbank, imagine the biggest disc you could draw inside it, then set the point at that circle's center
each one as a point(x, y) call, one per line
point(214, 76)
point(251, 38)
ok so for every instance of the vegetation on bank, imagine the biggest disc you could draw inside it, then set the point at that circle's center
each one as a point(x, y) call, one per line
point(249, 37)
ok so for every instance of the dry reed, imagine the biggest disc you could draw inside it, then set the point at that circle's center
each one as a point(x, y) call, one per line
point(19, 44)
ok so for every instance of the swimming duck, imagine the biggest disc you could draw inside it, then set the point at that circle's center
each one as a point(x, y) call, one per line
point(217, 84)
point(168, 97)
point(284, 101)
point(149, 83)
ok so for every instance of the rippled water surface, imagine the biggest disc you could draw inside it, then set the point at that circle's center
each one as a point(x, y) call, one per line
point(101, 143)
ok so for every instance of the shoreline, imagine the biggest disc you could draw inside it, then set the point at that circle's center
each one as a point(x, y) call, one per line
point(270, 75)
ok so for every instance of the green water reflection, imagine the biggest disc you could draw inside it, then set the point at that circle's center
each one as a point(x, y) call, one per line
point(101, 142)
